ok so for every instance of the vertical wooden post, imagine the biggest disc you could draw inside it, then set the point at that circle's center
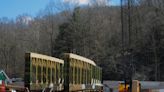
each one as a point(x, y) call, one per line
point(41, 71)
point(135, 86)
point(77, 72)
point(46, 71)
point(91, 74)
point(55, 72)
point(50, 71)
point(73, 78)
point(58, 73)
point(83, 73)
point(31, 70)
point(80, 72)
point(87, 73)
point(36, 66)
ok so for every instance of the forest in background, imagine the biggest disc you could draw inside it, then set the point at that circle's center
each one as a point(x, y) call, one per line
point(124, 41)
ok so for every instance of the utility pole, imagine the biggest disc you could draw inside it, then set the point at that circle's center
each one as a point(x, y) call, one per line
point(126, 29)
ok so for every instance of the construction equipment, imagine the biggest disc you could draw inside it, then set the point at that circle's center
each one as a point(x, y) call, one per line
point(130, 86)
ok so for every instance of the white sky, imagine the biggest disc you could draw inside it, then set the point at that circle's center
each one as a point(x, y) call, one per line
point(83, 2)
point(78, 1)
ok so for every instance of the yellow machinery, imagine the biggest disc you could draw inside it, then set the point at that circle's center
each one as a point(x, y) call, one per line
point(132, 86)
point(123, 87)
